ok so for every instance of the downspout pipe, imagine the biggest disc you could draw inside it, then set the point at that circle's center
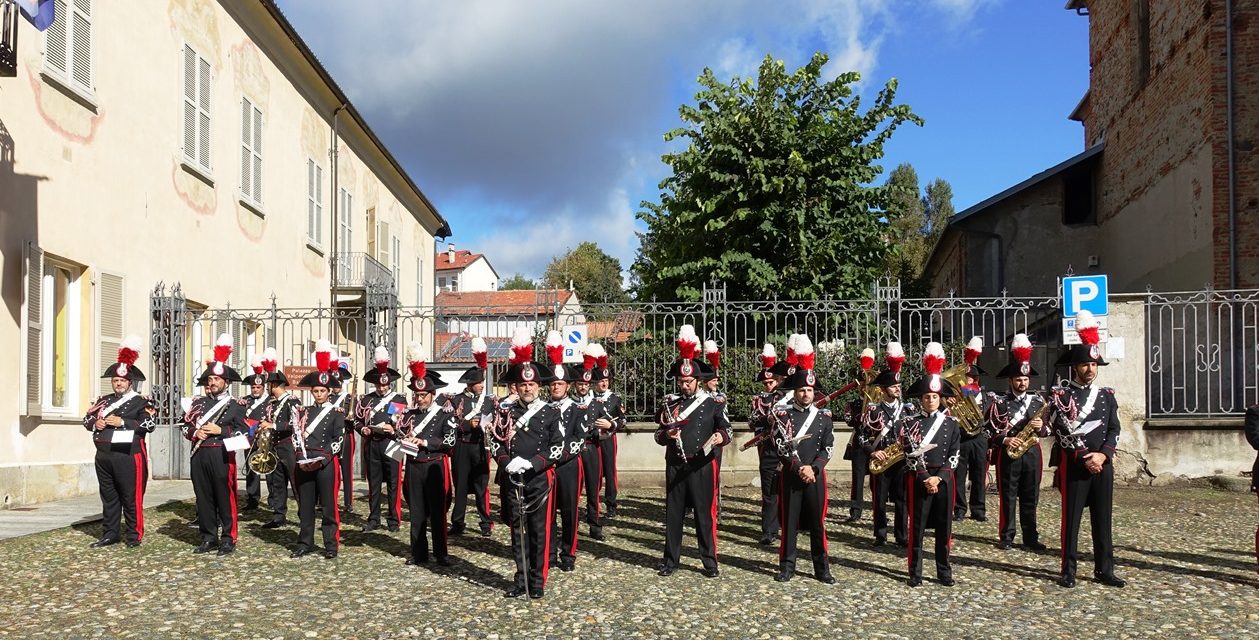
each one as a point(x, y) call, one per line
point(332, 259)
point(1232, 167)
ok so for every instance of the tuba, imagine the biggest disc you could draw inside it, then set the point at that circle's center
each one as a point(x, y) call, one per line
point(961, 407)
point(262, 460)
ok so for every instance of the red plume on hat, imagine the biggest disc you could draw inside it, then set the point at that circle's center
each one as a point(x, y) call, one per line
point(381, 359)
point(1021, 347)
point(255, 363)
point(270, 360)
point(590, 356)
point(323, 356)
point(712, 353)
point(480, 352)
point(129, 351)
point(933, 359)
point(415, 360)
point(866, 359)
point(792, 358)
point(223, 348)
point(688, 342)
point(894, 356)
point(769, 356)
point(554, 347)
point(521, 346)
point(1086, 325)
point(804, 352)
point(973, 350)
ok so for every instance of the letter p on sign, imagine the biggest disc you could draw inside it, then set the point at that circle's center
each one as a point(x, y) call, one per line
point(1084, 293)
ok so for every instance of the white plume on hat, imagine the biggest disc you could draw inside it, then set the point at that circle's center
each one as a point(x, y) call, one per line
point(381, 355)
point(768, 351)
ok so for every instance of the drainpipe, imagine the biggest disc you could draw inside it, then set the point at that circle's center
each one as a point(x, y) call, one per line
point(332, 260)
point(1232, 169)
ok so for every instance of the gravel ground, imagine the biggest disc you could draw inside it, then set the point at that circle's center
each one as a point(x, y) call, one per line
point(1186, 554)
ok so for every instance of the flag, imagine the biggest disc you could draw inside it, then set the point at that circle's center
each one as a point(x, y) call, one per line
point(396, 407)
point(38, 12)
point(253, 426)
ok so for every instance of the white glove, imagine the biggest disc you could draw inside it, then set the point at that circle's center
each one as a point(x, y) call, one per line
point(518, 465)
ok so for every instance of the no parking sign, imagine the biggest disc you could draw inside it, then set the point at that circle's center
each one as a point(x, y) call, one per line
point(575, 338)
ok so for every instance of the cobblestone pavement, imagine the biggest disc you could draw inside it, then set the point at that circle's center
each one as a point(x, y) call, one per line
point(1185, 552)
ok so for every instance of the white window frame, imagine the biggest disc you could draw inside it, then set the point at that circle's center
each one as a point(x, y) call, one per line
point(74, 326)
point(71, 18)
point(419, 281)
point(200, 158)
point(395, 254)
point(314, 205)
point(345, 234)
point(251, 130)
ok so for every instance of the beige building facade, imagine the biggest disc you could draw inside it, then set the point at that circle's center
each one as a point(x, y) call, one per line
point(187, 141)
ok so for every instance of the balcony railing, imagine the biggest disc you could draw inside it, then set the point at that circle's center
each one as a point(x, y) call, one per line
point(8, 38)
point(358, 269)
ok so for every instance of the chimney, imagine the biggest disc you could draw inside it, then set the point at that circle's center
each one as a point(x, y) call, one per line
point(450, 253)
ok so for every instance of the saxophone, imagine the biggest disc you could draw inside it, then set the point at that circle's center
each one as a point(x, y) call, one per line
point(961, 407)
point(893, 453)
point(1028, 436)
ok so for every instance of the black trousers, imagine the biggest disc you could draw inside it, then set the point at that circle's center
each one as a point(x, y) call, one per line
point(253, 482)
point(471, 469)
point(592, 476)
point(280, 480)
point(930, 510)
point(319, 486)
point(568, 481)
point(771, 473)
point(122, 477)
point(803, 506)
point(1082, 489)
point(213, 471)
point(860, 469)
point(428, 485)
point(346, 462)
point(381, 469)
point(889, 485)
point(537, 508)
point(691, 484)
point(607, 454)
point(972, 469)
point(1018, 479)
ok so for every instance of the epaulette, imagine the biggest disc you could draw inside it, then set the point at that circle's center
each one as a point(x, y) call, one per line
point(447, 408)
point(1110, 390)
point(719, 399)
point(669, 397)
point(781, 411)
point(824, 411)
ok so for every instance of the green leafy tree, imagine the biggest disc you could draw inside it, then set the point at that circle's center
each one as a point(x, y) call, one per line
point(774, 191)
point(593, 274)
point(916, 221)
point(518, 282)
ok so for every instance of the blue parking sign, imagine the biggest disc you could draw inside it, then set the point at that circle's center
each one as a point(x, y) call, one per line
point(1084, 293)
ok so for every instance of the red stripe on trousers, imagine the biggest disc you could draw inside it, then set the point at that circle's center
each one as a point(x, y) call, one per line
point(953, 499)
point(546, 536)
point(826, 505)
point(581, 479)
point(487, 492)
point(397, 496)
point(231, 492)
point(1257, 545)
point(616, 484)
point(349, 481)
point(447, 497)
point(140, 459)
point(716, 492)
point(336, 492)
point(782, 513)
point(911, 479)
point(1062, 530)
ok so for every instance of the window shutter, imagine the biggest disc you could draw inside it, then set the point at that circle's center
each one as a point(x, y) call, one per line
point(190, 104)
point(81, 49)
point(56, 40)
point(203, 118)
point(310, 200)
point(110, 324)
point(382, 244)
point(246, 156)
point(33, 369)
point(397, 260)
point(257, 168)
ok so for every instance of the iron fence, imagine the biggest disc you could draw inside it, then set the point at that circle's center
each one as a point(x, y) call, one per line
point(1201, 353)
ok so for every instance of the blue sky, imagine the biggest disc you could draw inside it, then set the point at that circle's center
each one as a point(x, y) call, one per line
point(535, 126)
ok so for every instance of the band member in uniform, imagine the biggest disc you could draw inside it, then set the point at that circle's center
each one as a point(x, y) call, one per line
point(343, 403)
point(760, 424)
point(854, 453)
point(377, 416)
point(931, 441)
point(428, 435)
point(526, 442)
point(1018, 478)
point(255, 405)
point(119, 422)
point(710, 377)
point(1252, 437)
point(211, 419)
point(804, 438)
point(973, 463)
point(1086, 425)
point(568, 471)
point(318, 437)
point(691, 424)
point(880, 425)
point(607, 416)
point(471, 462)
point(609, 424)
point(282, 414)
